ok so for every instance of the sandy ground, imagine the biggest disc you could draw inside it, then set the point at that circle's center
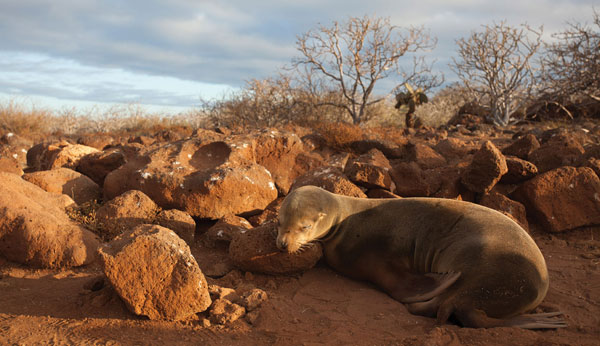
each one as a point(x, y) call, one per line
point(318, 307)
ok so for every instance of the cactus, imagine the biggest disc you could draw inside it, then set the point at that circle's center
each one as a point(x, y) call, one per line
point(411, 98)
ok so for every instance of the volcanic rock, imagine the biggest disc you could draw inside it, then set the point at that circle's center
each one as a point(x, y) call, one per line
point(506, 206)
point(518, 170)
point(35, 230)
point(155, 274)
point(66, 181)
point(255, 251)
point(178, 221)
point(562, 199)
point(522, 147)
point(371, 170)
point(486, 169)
point(126, 211)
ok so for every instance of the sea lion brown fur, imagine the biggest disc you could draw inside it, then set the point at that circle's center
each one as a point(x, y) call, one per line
point(440, 257)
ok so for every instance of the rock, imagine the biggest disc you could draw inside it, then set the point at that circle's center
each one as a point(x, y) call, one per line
point(10, 165)
point(522, 147)
point(255, 251)
point(389, 149)
point(126, 211)
point(219, 292)
point(15, 147)
point(558, 151)
point(66, 181)
point(331, 179)
point(371, 170)
point(223, 311)
point(225, 230)
point(594, 164)
point(98, 165)
point(486, 169)
point(154, 273)
point(562, 199)
point(449, 179)
point(178, 221)
point(35, 230)
point(425, 156)
point(203, 178)
point(518, 170)
point(270, 213)
point(143, 140)
point(253, 299)
point(46, 156)
point(453, 148)
point(411, 181)
point(96, 140)
point(284, 156)
point(506, 206)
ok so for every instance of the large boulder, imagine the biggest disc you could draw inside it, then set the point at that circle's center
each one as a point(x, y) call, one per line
point(179, 222)
point(97, 165)
point(35, 229)
point(155, 274)
point(562, 199)
point(284, 156)
point(45, 156)
point(207, 178)
point(522, 147)
point(371, 170)
point(331, 179)
point(66, 181)
point(486, 169)
point(255, 251)
point(560, 150)
point(124, 212)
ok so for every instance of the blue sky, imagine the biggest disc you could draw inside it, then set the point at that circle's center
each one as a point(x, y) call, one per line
point(169, 54)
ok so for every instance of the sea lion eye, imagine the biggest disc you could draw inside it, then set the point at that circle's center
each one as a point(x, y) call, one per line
point(306, 227)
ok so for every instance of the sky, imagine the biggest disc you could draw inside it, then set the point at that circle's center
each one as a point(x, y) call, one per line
point(168, 55)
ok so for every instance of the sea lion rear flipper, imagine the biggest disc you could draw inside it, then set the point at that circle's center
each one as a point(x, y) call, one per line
point(478, 319)
point(420, 288)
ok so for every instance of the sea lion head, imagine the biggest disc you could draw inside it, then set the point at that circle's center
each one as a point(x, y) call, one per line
point(302, 218)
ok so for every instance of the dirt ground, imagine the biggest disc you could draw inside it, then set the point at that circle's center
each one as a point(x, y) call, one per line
point(318, 307)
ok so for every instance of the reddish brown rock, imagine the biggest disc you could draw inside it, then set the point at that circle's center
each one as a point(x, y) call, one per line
point(179, 222)
point(518, 170)
point(35, 230)
point(253, 298)
point(411, 180)
point(205, 179)
point(453, 148)
point(270, 213)
point(255, 251)
point(594, 164)
point(522, 147)
point(486, 169)
point(449, 180)
point(331, 179)
point(10, 165)
point(61, 155)
point(98, 165)
point(284, 156)
point(126, 211)
point(425, 156)
point(562, 199)
point(155, 274)
point(223, 311)
point(371, 170)
point(96, 140)
point(15, 147)
point(506, 206)
point(225, 230)
point(66, 181)
point(560, 150)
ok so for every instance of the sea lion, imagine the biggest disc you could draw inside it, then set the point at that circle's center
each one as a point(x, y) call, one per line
point(440, 257)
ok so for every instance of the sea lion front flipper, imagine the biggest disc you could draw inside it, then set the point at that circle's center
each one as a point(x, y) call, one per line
point(423, 287)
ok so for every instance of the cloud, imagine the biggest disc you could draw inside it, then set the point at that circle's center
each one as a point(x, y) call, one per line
point(210, 43)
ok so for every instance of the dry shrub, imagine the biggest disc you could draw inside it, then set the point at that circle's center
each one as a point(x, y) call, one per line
point(339, 135)
point(443, 106)
point(26, 121)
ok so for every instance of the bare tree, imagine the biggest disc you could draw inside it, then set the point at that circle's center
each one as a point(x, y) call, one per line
point(572, 64)
point(495, 66)
point(350, 58)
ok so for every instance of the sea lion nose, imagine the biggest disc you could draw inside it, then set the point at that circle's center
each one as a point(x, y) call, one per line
point(282, 244)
